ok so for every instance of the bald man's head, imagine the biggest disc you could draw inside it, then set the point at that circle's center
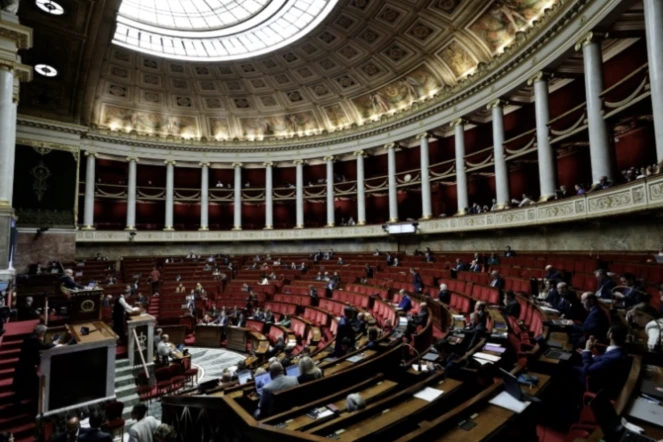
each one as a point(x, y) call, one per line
point(73, 425)
point(275, 369)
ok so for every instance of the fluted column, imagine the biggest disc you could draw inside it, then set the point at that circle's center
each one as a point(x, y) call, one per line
point(88, 214)
point(269, 196)
point(546, 155)
point(654, 32)
point(426, 204)
point(599, 143)
point(131, 195)
point(237, 202)
point(170, 193)
point(393, 190)
point(461, 174)
point(299, 192)
point(204, 196)
point(361, 193)
point(501, 171)
point(331, 218)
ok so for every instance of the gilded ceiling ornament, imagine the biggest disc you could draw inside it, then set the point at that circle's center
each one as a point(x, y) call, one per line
point(41, 173)
point(42, 150)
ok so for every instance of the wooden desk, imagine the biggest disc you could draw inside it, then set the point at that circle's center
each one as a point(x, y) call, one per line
point(209, 336)
point(99, 331)
point(259, 342)
point(335, 366)
point(237, 338)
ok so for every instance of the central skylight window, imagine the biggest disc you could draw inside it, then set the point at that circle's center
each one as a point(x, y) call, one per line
point(216, 30)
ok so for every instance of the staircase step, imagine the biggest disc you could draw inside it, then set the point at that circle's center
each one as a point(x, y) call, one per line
point(23, 431)
point(7, 423)
point(6, 384)
point(9, 353)
point(6, 373)
point(125, 390)
point(8, 362)
point(121, 363)
point(121, 381)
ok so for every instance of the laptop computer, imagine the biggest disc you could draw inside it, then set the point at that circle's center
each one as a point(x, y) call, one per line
point(652, 388)
point(610, 423)
point(243, 376)
point(551, 352)
point(648, 410)
point(431, 356)
point(512, 387)
point(293, 370)
point(261, 381)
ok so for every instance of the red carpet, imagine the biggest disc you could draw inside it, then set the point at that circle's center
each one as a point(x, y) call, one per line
point(19, 328)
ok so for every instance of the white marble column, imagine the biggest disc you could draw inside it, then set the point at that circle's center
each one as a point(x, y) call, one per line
point(237, 201)
point(393, 190)
point(461, 174)
point(361, 192)
point(299, 192)
point(88, 213)
point(426, 203)
point(204, 196)
point(170, 193)
point(654, 32)
point(269, 196)
point(8, 103)
point(546, 155)
point(599, 143)
point(501, 171)
point(331, 218)
point(131, 194)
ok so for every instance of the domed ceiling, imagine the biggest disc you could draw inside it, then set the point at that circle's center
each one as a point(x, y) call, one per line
point(368, 58)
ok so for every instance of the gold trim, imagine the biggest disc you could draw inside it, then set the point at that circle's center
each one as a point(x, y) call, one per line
point(299, 226)
point(329, 158)
point(46, 145)
point(390, 146)
point(361, 223)
point(268, 228)
point(168, 229)
point(497, 103)
point(359, 153)
point(393, 220)
point(5, 204)
point(268, 164)
point(204, 163)
point(169, 162)
point(237, 165)
point(426, 218)
point(539, 76)
point(203, 229)
point(88, 228)
point(589, 38)
point(134, 159)
point(236, 228)
point(458, 122)
point(330, 225)
point(299, 162)
point(91, 154)
point(130, 229)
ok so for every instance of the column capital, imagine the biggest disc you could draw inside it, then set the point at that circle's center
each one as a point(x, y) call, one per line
point(589, 38)
point(540, 76)
point(170, 162)
point(497, 103)
point(237, 165)
point(424, 135)
point(134, 159)
point(458, 122)
point(299, 162)
point(329, 158)
point(390, 146)
point(91, 154)
point(268, 164)
point(204, 164)
point(21, 71)
point(19, 34)
point(359, 153)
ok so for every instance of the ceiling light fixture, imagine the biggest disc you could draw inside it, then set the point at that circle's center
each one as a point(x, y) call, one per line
point(46, 70)
point(50, 7)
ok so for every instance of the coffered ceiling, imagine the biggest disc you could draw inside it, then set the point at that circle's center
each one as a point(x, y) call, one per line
point(368, 58)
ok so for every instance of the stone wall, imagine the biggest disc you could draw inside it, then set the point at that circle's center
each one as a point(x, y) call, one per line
point(643, 232)
point(53, 245)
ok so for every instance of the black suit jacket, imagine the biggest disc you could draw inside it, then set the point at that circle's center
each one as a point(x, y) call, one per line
point(62, 437)
point(512, 309)
point(95, 434)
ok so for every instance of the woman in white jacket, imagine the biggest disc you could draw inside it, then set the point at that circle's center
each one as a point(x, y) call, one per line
point(648, 318)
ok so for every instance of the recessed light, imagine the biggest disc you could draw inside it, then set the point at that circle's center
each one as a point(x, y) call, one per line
point(50, 7)
point(46, 70)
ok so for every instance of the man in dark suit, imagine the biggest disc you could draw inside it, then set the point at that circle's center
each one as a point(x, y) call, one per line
point(369, 271)
point(68, 281)
point(508, 252)
point(420, 319)
point(417, 282)
point(610, 369)
point(605, 284)
point(389, 259)
point(343, 331)
point(313, 294)
point(496, 280)
point(27, 311)
point(553, 274)
point(511, 305)
point(95, 433)
point(474, 332)
point(444, 295)
point(406, 302)
point(359, 324)
point(241, 322)
point(26, 381)
point(73, 433)
point(596, 324)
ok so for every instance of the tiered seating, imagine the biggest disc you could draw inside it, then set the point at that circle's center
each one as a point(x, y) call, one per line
point(356, 299)
point(281, 308)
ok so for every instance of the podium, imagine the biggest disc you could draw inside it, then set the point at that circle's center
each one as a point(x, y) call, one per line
point(143, 325)
point(236, 338)
point(86, 305)
point(209, 335)
point(78, 375)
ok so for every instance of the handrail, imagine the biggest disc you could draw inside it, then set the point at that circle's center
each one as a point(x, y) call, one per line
point(568, 112)
point(624, 80)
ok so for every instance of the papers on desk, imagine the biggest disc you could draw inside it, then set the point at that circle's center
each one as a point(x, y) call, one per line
point(487, 357)
point(562, 322)
point(495, 348)
point(428, 394)
point(548, 309)
point(424, 367)
point(355, 358)
point(505, 400)
point(458, 317)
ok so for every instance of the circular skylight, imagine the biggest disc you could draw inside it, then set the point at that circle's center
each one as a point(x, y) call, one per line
point(50, 7)
point(46, 70)
point(216, 30)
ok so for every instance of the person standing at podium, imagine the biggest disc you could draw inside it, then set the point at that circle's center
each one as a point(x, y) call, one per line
point(120, 307)
point(26, 381)
point(68, 281)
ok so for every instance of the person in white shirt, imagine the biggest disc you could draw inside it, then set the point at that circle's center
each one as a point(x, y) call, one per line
point(163, 347)
point(645, 316)
point(143, 429)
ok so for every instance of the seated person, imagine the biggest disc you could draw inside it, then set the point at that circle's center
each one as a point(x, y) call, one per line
point(285, 321)
point(570, 306)
point(269, 317)
point(417, 281)
point(511, 305)
point(263, 280)
point(630, 294)
point(359, 324)
point(648, 318)
point(496, 280)
point(286, 360)
point(340, 261)
point(279, 382)
point(605, 284)
point(610, 369)
point(27, 311)
point(493, 260)
point(596, 323)
point(508, 252)
point(241, 321)
point(480, 310)
point(406, 303)
point(460, 266)
point(444, 295)
point(396, 263)
point(164, 349)
point(313, 294)
point(474, 332)
point(420, 319)
point(308, 371)
point(552, 273)
point(354, 402)
point(67, 281)
point(277, 348)
point(369, 271)
point(389, 259)
point(373, 336)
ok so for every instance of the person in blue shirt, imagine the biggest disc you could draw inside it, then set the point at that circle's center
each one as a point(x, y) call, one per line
point(596, 323)
point(630, 293)
point(605, 284)
point(610, 369)
point(553, 274)
point(496, 280)
point(417, 282)
point(406, 302)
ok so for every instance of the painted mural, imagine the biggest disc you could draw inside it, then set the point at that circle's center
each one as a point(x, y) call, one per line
point(458, 59)
point(398, 94)
point(337, 116)
point(278, 125)
point(219, 127)
point(504, 18)
point(145, 122)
